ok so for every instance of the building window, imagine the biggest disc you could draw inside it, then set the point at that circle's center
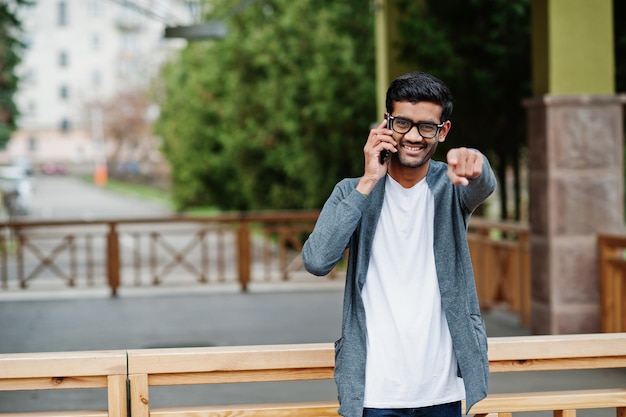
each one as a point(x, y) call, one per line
point(29, 76)
point(95, 8)
point(95, 42)
point(63, 59)
point(62, 13)
point(27, 40)
point(64, 92)
point(130, 43)
point(31, 108)
point(32, 144)
point(65, 125)
point(96, 78)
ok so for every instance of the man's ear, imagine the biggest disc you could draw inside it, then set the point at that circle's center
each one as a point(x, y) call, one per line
point(443, 132)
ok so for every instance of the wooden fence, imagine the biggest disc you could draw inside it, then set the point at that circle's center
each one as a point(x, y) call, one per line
point(65, 371)
point(501, 260)
point(241, 248)
point(146, 369)
point(245, 248)
point(612, 267)
point(235, 247)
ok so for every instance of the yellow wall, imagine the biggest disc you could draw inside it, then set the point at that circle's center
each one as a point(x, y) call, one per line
point(573, 47)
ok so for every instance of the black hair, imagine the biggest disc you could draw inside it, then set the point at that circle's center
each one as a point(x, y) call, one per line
point(419, 86)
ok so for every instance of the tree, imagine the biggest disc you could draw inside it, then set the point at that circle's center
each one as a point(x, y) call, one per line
point(126, 126)
point(10, 48)
point(272, 115)
point(481, 48)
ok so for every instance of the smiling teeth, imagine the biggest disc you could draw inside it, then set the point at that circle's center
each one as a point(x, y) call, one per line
point(412, 148)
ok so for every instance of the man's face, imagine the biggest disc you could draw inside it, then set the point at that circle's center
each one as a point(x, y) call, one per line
point(414, 150)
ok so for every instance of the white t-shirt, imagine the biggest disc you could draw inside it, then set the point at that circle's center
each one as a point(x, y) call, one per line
point(410, 359)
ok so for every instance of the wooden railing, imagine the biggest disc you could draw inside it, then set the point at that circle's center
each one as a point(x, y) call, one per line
point(67, 371)
point(612, 267)
point(238, 247)
point(147, 369)
point(501, 260)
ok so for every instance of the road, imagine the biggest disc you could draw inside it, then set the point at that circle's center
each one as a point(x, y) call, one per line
point(67, 197)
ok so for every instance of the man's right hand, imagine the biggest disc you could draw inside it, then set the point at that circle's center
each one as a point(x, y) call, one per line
point(379, 139)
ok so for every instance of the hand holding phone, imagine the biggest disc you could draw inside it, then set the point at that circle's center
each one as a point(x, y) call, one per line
point(384, 154)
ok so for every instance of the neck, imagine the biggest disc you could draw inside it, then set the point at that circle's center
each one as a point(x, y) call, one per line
point(407, 176)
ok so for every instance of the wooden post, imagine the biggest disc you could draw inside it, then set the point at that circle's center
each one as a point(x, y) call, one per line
point(139, 395)
point(524, 267)
point(19, 240)
point(243, 253)
point(3, 253)
point(117, 398)
point(113, 264)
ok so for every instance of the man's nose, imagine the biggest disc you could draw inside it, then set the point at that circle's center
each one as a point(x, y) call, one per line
point(413, 134)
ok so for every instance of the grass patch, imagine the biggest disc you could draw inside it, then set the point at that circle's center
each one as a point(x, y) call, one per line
point(141, 191)
point(202, 211)
point(152, 193)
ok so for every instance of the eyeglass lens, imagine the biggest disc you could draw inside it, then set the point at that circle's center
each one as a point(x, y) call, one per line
point(425, 129)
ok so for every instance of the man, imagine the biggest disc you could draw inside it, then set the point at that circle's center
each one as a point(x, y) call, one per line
point(413, 340)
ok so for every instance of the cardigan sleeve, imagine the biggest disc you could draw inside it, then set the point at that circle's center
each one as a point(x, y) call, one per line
point(336, 224)
point(478, 189)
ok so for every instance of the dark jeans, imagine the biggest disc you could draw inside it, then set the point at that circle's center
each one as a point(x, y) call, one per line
point(442, 410)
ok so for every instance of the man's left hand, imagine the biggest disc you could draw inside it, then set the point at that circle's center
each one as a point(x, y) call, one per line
point(464, 164)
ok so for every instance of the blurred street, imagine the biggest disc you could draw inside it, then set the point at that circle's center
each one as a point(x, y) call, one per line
point(68, 197)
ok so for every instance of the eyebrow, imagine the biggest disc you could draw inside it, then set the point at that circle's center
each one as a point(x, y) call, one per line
point(419, 121)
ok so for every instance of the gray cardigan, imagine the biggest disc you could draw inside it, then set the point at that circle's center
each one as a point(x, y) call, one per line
point(348, 220)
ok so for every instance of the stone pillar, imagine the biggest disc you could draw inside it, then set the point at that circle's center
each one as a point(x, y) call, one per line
point(575, 141)
point(576, 191)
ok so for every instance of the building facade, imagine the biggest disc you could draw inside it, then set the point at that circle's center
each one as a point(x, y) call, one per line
point(80, 54)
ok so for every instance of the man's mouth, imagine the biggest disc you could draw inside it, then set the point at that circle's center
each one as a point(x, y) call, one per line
point(412, 148)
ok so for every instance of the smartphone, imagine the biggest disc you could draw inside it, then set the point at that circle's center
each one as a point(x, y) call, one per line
point(384, 154)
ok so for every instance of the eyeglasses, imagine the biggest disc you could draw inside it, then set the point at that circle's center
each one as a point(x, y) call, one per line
point(427, 130)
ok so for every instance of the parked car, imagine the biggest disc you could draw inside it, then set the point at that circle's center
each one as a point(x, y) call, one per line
point(17, 189)
point(53, 168)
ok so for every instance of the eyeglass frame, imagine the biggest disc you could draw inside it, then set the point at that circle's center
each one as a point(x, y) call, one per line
point(391, 118)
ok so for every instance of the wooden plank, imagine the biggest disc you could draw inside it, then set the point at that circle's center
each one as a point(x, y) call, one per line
point(620, 310)
point(58, 414)
point(506, 354)
point(225, 377)
point(557, 364)
point(62, 364)
point(232, 358)
point(139, 395)
point(321, 409)
point(557, 346)
point(554, 400)
point(117, 397)
point(52, 383)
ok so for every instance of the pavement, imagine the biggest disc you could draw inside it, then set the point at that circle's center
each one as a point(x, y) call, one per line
point(214, 315)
